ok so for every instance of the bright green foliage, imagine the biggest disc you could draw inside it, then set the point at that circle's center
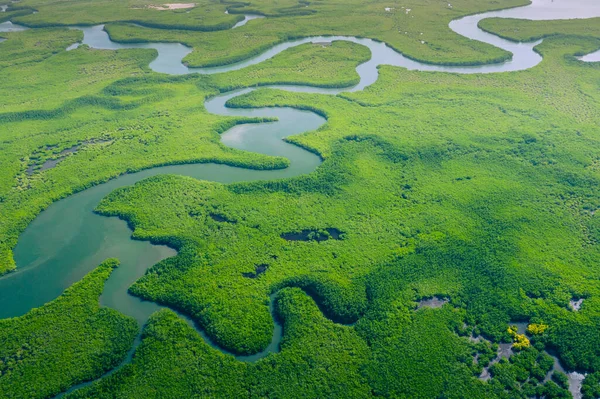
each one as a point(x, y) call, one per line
point(172, 361)
point(276, 8)
point(319, 359)
point(418, 28)
point(527, 31)
point(480, 188)
point(576, 340)
point(205, 16)
point(418, 355)
point(65, 342)
point(82, 95)
point(323, 66)
point(35, 46)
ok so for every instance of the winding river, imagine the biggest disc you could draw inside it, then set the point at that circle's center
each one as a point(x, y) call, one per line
point(68, 240)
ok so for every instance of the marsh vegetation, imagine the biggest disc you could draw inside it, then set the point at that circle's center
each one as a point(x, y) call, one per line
point(478, 191)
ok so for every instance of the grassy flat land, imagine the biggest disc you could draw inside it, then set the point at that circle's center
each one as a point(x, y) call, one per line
point(417, 28)
point(205, 16)
point(526, 31)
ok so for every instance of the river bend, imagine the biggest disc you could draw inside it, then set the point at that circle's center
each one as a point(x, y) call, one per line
point(68, 240)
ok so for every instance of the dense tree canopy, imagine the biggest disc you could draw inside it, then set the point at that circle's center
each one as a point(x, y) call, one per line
point(481, 190)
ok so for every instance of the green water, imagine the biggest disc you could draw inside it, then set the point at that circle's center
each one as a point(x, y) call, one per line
point(68, 240)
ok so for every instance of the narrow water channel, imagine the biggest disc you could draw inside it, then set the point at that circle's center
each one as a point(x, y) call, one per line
point(68, 240)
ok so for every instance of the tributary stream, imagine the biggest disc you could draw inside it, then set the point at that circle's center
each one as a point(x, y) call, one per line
point(67, 240)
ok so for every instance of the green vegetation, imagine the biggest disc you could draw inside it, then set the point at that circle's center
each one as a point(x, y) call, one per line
point(188, 367)
point(523, 375)
point(110, 97)
point(65, 342)
point(417, 28)
point(12, 13)
point(323, 66)
point(205, 16)
point(591, 386)
point(35, 46)
point(482, 189)
point(477, 188)
point(527, 31)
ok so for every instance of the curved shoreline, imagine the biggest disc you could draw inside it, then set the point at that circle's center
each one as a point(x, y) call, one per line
point(381, 54)
point(302, 161)
point(170, 55)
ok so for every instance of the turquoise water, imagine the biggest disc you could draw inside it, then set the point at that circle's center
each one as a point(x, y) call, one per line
point(68, 240)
